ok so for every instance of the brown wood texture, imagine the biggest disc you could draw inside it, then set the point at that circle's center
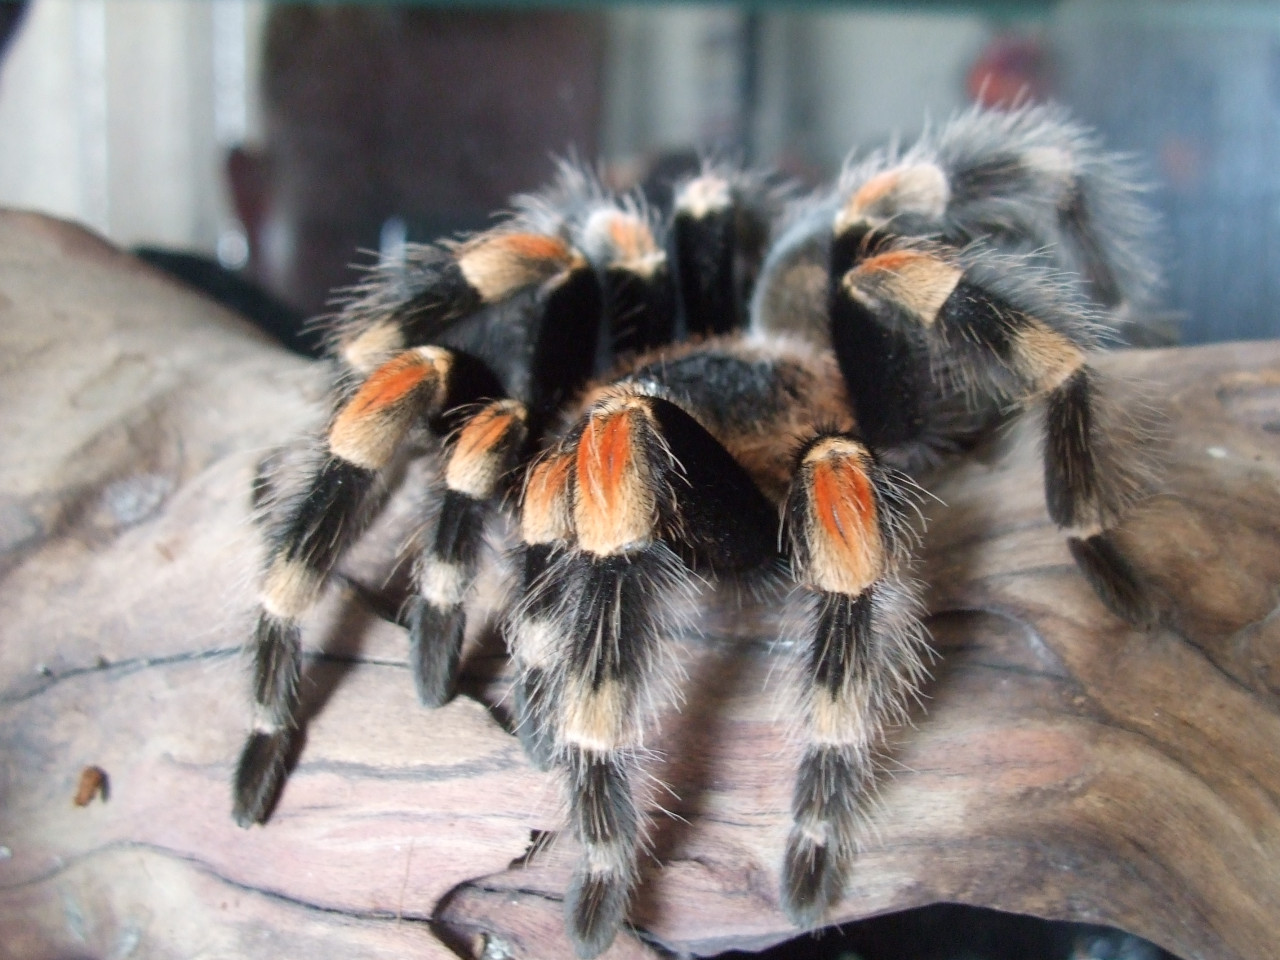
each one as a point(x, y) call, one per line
point(1061, 764)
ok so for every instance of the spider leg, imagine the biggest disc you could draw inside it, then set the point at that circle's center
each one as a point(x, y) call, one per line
point(719, 230)
point(309, 533)
point(880, 358)
point(529, 641)
point(550, 290)
point(635, 300)
point(702, 243)
point(636, 481)
point(1036, 175)
point(485, 451)
point(561, 305)
point(559, 301)
point(564, 343)
point(612, 580)
point(638, 301)
point(1008, 334)
point(860, 654)
point(447, 284)
point(1089, 479)
point(546, 528)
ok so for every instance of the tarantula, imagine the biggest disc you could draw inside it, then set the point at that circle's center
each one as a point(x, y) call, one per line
point(746, 391)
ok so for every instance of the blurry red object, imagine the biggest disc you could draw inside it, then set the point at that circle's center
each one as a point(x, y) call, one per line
point(1013, 69)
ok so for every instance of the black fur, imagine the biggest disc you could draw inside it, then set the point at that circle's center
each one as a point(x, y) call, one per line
point(459, 529)
point(1070, 477)
point(639, 311)
point(595, 906)
point(733, 392)
point(325, 520)
point(1075, 218)
point(980, 322)
point(564, 352)
point(534, 717)
point(829, 786)
point(838, 651)
point(881, 363)
point(812, 880)
point(1001, 174)
point(830, 789)
point(725, 523)
point(441, 302)
point(1114, 579)
point(277, 665)
point(602, 810)
point(471, 381)
point(886, 390)
point(703, 252)
point(535, 558)
point(263, 763)
point(602, 813)
point(534, 710)
point(612, 624)
point(260, 775)
point(436, 632)
point(435, 648)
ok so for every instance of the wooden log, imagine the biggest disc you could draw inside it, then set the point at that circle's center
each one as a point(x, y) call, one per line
point(1061, 764)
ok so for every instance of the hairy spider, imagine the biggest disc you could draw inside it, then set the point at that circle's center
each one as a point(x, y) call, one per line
point(663, 393)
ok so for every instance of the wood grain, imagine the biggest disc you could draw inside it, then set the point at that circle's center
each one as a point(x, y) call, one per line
point(1061, 764)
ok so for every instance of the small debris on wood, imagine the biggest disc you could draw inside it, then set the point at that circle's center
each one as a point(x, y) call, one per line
point(93, 783)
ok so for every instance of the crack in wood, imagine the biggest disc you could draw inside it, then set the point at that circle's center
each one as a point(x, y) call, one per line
point(207, 870)
point(121, 667)
point(491, 763)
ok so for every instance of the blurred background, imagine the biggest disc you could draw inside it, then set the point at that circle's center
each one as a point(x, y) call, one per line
point(276, 141)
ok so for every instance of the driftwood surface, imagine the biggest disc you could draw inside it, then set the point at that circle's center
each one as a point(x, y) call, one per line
point(1062, 764)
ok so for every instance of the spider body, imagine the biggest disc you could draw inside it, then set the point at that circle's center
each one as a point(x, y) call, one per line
point(659, 412)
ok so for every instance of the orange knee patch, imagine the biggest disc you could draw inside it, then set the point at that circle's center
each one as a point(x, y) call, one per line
point(614, 503)
point(371, 425)
point(631, 237)
point(497, 265)
point(919, 188)
point(916, 280)
point(872, 194)
point(484, 447)
point(625, 239)
point(842, 531)
point(373, 346)
point(546, 516)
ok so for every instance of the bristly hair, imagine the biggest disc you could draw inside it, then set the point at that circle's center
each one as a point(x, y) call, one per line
point(742, 391)
point(1034, 175)
point(575, 189)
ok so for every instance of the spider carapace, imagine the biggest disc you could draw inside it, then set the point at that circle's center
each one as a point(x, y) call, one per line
point(749, 389)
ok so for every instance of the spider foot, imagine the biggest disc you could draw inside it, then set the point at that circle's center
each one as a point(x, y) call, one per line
point(1114, 579)
point(595, 907)
point(534, 719)
point(812, 879)
point(827, 810)
point(604, 819)
point(260, 775)
point(1094, 470)
point(481, 456)
point(435, 648)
